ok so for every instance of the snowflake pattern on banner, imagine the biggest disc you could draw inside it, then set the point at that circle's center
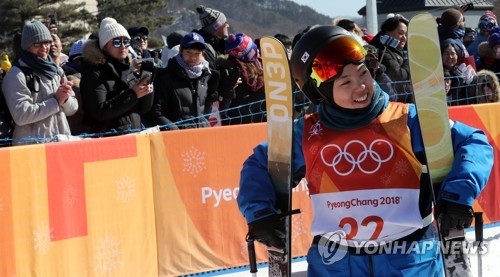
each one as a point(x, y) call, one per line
point(126, 189)
point(70, 196)
point(194, 161)
point(108, 256)
point(244, 249)
point(42, 237)
point(298, 228)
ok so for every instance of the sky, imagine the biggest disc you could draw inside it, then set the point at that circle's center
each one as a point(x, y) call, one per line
point(335, 8)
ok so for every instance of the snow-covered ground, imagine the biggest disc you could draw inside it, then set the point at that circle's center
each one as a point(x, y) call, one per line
point(490, 260)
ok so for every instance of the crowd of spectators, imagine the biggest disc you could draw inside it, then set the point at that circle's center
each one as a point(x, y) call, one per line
point(113, 83)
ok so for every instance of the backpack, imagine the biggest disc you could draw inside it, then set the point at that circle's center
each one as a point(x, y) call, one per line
point(6, 122)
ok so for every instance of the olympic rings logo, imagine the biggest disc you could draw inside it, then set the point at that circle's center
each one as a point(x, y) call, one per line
point(368, 152)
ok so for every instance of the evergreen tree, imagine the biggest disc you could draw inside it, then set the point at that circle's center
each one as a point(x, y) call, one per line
point(73, 21)
point(135, 12)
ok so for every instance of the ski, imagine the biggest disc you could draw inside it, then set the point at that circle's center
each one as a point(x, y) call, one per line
point(427, 78)
point(279, 105)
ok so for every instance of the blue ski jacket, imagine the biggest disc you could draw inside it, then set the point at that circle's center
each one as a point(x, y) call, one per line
point(473, 161)
point(470, 172)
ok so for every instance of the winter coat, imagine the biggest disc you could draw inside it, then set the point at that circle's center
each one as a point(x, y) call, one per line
point(38, 116)
point(178, 98)
point(108, 99)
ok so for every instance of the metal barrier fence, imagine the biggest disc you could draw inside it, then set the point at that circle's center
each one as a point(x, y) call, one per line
point(460, 93)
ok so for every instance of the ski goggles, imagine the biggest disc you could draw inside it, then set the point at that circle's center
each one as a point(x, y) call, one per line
point(330, 61)
point(118, 42)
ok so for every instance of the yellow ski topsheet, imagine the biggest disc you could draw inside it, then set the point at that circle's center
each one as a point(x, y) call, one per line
point(429, 90)
point(279, 104)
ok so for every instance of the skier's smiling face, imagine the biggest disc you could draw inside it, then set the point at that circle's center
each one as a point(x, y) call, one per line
point(354, 88)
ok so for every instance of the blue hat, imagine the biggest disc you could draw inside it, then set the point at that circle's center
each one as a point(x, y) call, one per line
point(191, 39)
point(242, 47)
point(494, 38)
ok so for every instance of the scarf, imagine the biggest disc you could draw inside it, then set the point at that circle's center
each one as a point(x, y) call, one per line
point(193, 72)
point(45, 67)
point(447, 32)
point(338, 118)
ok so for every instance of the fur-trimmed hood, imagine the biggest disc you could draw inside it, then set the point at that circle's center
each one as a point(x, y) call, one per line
point(93, 55)
point(484, 50)
point(488, 76)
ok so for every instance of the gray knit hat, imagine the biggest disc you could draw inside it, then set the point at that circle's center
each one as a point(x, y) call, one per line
point(110, 29)
point(211, 20)
point(34, 32)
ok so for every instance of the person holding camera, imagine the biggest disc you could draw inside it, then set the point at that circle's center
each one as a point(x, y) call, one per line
point(184, 88)
point(391, 43)
point(113, 97)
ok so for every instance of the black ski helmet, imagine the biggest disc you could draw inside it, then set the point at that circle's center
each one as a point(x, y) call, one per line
point(303, 55)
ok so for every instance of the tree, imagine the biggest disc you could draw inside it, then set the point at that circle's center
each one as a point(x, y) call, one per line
point(73, 21)
point(135, 12)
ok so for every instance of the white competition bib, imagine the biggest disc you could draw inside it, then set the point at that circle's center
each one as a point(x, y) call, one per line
point(380, 215)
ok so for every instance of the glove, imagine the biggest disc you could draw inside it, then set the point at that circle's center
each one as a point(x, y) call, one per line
point(269, 231)
point(454, 215)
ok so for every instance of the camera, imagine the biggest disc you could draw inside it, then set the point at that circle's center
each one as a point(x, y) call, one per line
point(389, 41)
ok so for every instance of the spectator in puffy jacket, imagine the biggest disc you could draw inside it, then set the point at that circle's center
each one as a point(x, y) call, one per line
point(113, 97)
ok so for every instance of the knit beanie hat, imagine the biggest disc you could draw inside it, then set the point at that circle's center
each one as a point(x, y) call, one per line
point(211, 20)
point(109, 30)
point(451, 18)
point(487, 21)
point(494, 38)
point(34, 32)
point(241, 47)
point(76, 48)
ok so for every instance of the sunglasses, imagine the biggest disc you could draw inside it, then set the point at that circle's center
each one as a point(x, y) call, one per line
point(138, 38)
point(330, 61)
point(118, 42)
point(43, 43)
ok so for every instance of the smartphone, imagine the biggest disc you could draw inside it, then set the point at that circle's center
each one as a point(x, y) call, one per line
point(147, 74)
point(389, 41)
point(468, 6)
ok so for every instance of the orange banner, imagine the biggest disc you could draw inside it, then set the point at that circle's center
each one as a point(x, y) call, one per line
point(197, 176)
point(78, 209)
point(486, 118)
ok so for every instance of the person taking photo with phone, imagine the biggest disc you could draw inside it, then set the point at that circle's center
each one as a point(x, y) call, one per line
point(391, 44)
point(113, 97)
